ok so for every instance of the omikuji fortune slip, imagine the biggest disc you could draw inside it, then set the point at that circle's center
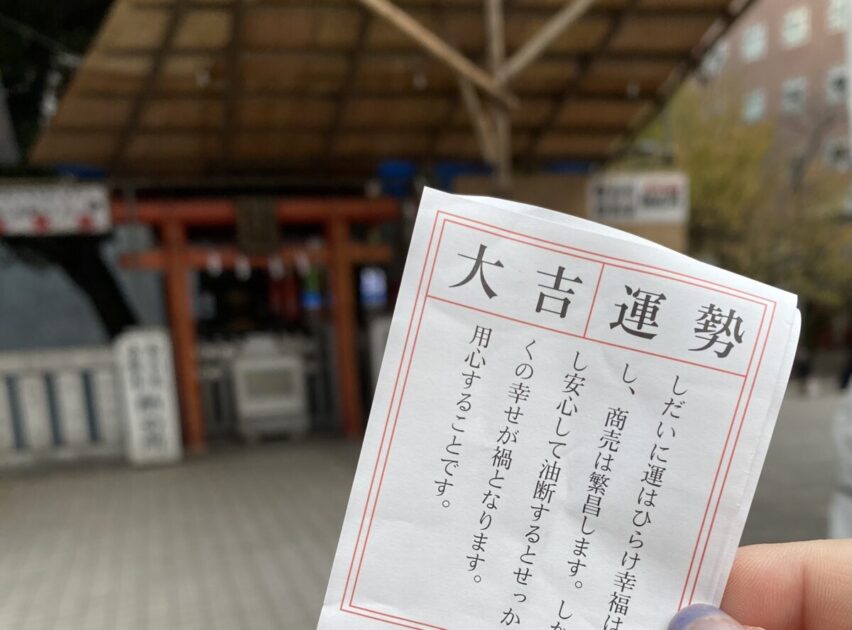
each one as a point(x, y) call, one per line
point(567, 431)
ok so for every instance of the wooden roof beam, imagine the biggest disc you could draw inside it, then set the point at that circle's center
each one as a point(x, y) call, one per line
point(235, 82)
point(393, 54)
point(390, 54)
point(541, 41)
point(495, 33)
point(481, 122)
point(475, 6)
point(141, 98)
point(355, 59)
point(440, 49)
point(272, 94)
point(694, 59)
point(222, 212)
point(198, 257)
point(575, 84)
point(593, 129)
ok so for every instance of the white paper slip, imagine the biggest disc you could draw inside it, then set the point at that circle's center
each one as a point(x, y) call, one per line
point(567, 431)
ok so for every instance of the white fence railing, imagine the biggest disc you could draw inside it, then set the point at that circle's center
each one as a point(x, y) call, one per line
point(59, 404)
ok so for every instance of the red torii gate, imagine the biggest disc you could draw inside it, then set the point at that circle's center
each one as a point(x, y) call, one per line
point(176, 256)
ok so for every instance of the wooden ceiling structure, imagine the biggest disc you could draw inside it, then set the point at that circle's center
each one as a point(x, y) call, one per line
point(208, 87)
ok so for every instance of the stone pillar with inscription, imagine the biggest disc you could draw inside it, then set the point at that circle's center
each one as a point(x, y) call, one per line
point(146, 382)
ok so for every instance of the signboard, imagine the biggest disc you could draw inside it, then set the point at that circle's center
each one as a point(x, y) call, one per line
point(147, 385)
point(257, 226)
point(652, 197)
point(49, 210)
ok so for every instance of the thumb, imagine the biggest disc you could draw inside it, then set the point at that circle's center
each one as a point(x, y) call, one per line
point(704, 617)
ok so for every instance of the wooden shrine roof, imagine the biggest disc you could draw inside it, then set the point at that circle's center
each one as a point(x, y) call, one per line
point(245, 86)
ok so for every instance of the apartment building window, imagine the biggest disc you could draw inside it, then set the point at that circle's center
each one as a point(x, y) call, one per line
point(794, 93)
point(754, 105)
point(796, 26)
point(715, 60)
point(835, 85)
point(837, 15)
point(754, 42)
point(837, 153)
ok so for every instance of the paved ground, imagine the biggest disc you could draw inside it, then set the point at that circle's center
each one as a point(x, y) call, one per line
point(234, 541)
point(243, 540)
point(791, 502)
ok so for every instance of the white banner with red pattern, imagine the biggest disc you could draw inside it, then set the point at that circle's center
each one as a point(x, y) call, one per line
point(53, 209)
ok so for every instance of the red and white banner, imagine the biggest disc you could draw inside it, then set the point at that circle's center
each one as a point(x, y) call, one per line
point(47, 210)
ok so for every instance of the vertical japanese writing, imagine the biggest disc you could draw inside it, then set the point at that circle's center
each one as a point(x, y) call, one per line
point(566, 408)
point(567, 447)
point(625, 578)
point(598, 482)
point(518, 393)
point(473, 363)
point(145, 378)
point(549, 474)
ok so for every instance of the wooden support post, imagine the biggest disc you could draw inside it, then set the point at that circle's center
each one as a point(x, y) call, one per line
point(482, 124)
point(495, 27)
point(440, 49)
point(183, 335)
point(345, 326)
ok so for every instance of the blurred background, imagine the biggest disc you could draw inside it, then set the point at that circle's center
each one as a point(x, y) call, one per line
point(205, 208)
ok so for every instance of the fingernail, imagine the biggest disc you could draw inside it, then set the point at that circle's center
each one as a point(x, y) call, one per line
point(703, 617)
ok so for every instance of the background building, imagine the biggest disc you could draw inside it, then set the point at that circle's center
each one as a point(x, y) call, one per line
point(785, 60)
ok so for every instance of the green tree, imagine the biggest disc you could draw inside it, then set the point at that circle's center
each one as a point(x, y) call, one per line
point(763, 201)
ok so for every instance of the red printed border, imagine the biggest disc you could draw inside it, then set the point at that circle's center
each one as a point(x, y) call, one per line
point(605, 260)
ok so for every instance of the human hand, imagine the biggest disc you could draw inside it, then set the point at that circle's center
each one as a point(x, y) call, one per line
point(792, 586)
